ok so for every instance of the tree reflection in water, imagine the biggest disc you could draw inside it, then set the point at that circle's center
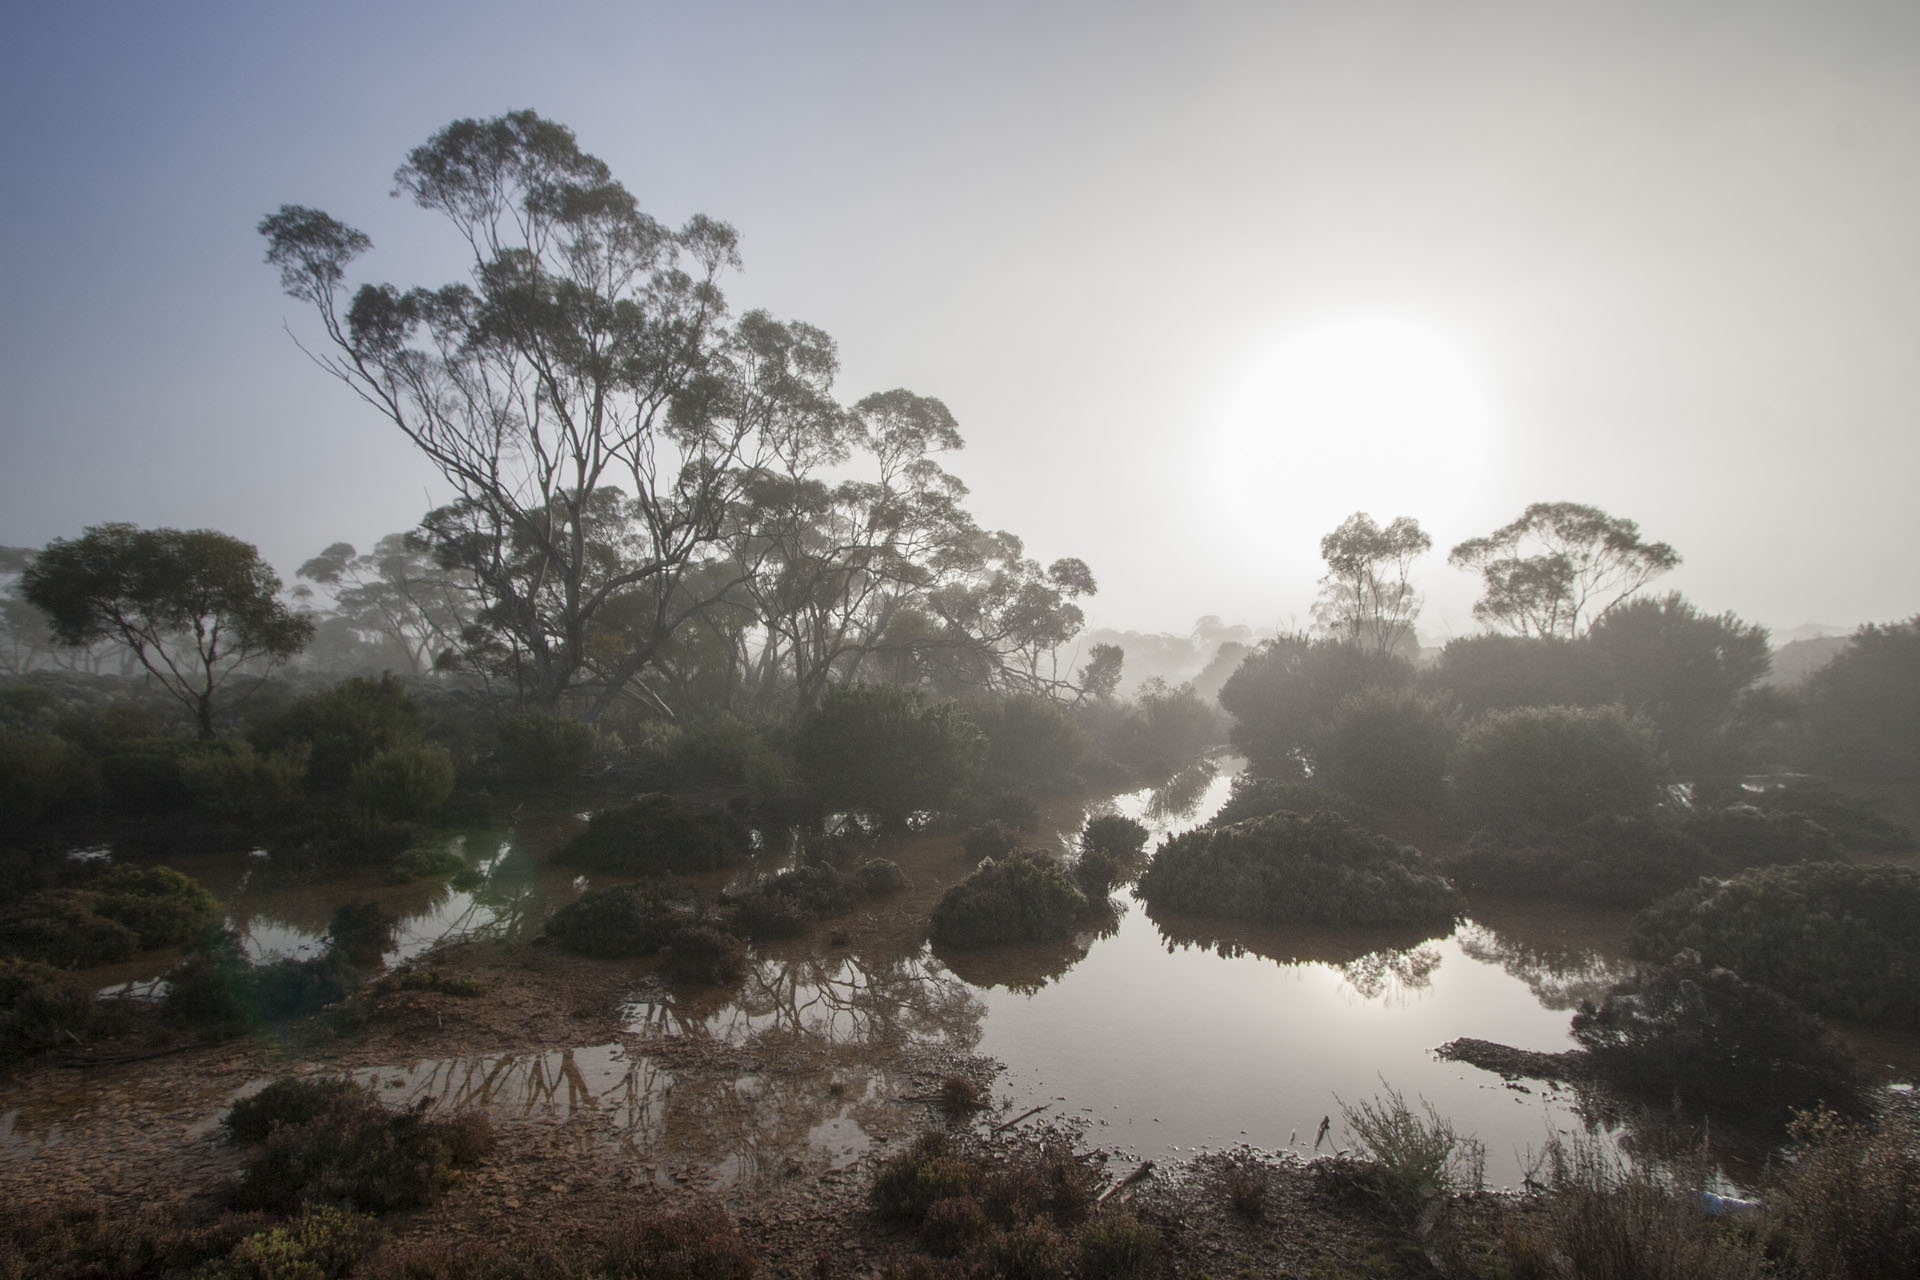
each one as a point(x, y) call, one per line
point(1027, 968)
point(1179, 797)
point(1560, 974)
point(1378, 964)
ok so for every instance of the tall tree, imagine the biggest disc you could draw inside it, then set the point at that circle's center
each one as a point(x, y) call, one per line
point(587, 355)
point(1559, 568)
point(396, 594)
point(1367, 597)
point(192, 606)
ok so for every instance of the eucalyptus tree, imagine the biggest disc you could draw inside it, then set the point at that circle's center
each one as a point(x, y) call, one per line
point(1367, 596)
point(584, 376)
point(1560, 568)
point(398, 594)
point(193, 607)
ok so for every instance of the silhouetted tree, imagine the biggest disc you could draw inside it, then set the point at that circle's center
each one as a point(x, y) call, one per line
point(1367, 597)
point(192, 606)
point(1685, 671)
point(1863, 708)
point(1559, 568)
point(1287, 691)
point(888, 751)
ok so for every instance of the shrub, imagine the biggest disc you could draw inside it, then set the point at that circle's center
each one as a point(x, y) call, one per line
point(768, 917)
point(704, 956)
point(1838, 939)
point(231, 781)
point(1115, 1244)
point(1020, 898)
point(782, 906)
point(1712, 1040)
point(656, 834)
point(1863, 708)
point(1115, 834)
point(697, 1243)
point(1246, 1186)
point(1285, 693)
point(1497, 673)
point(1556, 767)
point(1034, 1250)
point(1595, 1219)
point(887, 751)
point(958, 1095)
point(1848, 1204)
point(991, 839)
point(1096, 872)
point(60, 929)
point(323, 1243)
point(1166, 728)
point(359, 1153)
point(623, 920)
point(1612, 860)
point(1418, 1159)
point(404, 783)
point(1388, 748)
point(1015, 809)
point(1288, 868)
point(881, 875)
point(952, 1223)
point(907, 1185)
point(1031, 741)
point(286, 1101)
point(537, 750)
point(1853, 823)
point(343, 727)
point(43, 776)
point(1256, 797)
point(40, 1007)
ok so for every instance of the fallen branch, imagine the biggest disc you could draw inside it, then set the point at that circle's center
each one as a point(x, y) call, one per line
point(1030, 1111)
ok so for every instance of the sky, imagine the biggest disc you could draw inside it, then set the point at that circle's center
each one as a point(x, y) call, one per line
point(1197, 280)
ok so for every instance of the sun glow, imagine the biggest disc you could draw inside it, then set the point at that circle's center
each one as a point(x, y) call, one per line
point(1368, 413)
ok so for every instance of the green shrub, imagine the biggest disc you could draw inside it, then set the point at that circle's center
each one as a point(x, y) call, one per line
point(1096, 872)
point(1114, 834)
point(1497, 673)
point(1285, 693)
point(40, 1007)
point(217, 992)
point(358, 1153)
point(1863, 708)
point(1032, 742)
point(1712, 1040)
point(623, 920)
point(1852, 822)
point(43, 776)
point(658, 834)
point(404, 783)
point(782, 906)
point(1419, 1159)
point(881, 876)
point(1034, 1250)
point(61, 929)
point(538, 750)
point(1839, 939)
point(1256, 797)
point(1556, 767)
point(231, 781)
point(907, 1185)
point(1115, 1244)
point(343, 727)
point(1020, 898)
point(1388, 748)
point(163, 907)
point(147, 777)
point(991, 839)
point(1288, 868)
point(1166, 729)
point(700, 1242)
point(1848, 1203)
point(323, 1243)
point(951, 1224)
point(1610, 860)
point(887, 751)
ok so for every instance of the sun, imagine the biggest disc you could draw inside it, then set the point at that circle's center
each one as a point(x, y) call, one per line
point(1370, 413)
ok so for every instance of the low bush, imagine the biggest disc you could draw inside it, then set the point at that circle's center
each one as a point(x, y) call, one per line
point(288, 1100)
point(1389, 747)
point(40, 1007)
point(1418, 1159)
point(932, 1169)
point(1019, 898)
point(1848, 1202)
point(404, 783)
point(43, 777)
point(952, 1224)
point(540, 750)
point(1016, 809)
point(1288, 868)
point(436, 980)
point(700, 1242)
point(782, 906)
point(163, 907)
point(1712, 1040)
point(1032, 1250)
point(1114, 834)
point(359, 1153)
point(122, 911)
point(1096, 872)
point(702, 955)
point(623, 920)
point(61, 929)
point(1854, 823)
point(1256, 797)
point(658, 834)
point(220, 994)
point(881, 876)
point(323, 1243)
point(1839, 939)
point(1116, 1244)
point(1610, 860)
point(1555, 767)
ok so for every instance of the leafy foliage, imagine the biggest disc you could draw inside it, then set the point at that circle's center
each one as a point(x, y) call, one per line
point(1366, 597)
point(1685, 672)
point(1289, 868)
point(1388, 748)
point(1710, 1038)
point(1838, 939)
point(40, 1007)
point(1863, 708)
point(1018, 898)
point(1559, 568)
point(1286, 693)
point(1848, 1204)
point(1557, 767)
point(658, 834)
point(623, 920)
point(888, 751)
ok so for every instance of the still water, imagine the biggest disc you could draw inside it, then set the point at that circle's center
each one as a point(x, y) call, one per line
point(1160, 1036)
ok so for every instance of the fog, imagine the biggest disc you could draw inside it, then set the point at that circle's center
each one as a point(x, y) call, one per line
point(1655, 260)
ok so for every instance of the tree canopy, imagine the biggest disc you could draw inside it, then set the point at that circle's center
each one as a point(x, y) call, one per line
point(1560, 568)
point(1367, 596)
point(192, 606)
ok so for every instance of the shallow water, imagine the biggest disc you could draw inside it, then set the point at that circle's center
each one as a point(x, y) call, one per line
point(1161, 1036)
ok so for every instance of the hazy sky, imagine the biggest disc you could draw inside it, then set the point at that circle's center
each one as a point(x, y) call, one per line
point(1197, 280)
